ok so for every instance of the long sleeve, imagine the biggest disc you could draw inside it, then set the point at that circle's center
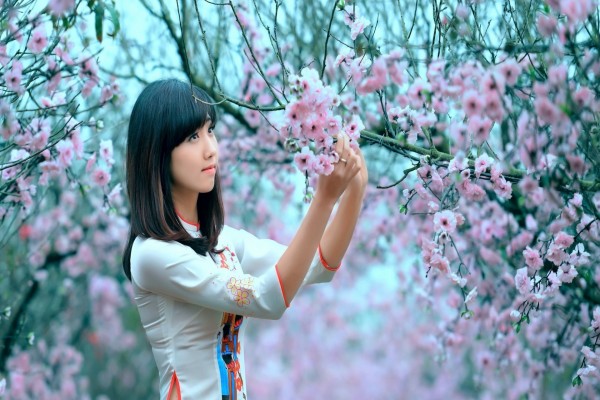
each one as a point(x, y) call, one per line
point(259, 255)
point(175, 270)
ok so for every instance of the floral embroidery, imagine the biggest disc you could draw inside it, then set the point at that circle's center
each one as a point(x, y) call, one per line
point(241, 290)
point(228, 352)
point(229, 260)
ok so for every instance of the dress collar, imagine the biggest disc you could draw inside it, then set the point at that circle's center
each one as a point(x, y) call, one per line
point(188, 225)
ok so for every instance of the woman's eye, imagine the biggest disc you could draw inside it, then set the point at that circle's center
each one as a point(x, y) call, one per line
point(193, 136)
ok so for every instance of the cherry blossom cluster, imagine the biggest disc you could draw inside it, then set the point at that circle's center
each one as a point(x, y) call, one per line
point(310, 121)
point(47, 74)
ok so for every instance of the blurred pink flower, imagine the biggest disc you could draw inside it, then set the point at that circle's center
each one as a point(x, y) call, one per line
point(101, 177)
point(59, 8)
point(563, 240)
point(511, 70)
point(304, 160)
point(473, 103)
point(440, 263)
point(533, 258)
point(14, 76)
point(445, 220)
point(480, 127)
point(546, 24)
point(65, 153)
point(482, 164)
point(522, 282)
point(38, 41)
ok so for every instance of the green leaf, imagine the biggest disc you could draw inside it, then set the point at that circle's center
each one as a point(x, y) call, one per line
point(577, 381)
point(566, 109)
point(517, 327)
point(99, 11)
point(341, 4)
point(114, 17)
point(403, 209)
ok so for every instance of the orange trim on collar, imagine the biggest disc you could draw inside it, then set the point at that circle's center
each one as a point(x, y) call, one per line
point(197, 224)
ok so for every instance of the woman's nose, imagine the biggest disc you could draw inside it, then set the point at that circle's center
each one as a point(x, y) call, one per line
point(211, 148)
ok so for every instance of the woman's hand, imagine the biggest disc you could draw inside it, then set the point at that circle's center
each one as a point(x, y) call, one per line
point(330, 187)
point(358, 185)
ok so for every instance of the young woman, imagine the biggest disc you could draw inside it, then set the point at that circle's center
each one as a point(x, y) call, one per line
point(195, 279)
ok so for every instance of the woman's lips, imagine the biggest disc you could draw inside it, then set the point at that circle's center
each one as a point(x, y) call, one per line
point(210, 170)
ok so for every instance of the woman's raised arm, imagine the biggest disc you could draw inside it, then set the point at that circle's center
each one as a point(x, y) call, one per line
point(295, 261)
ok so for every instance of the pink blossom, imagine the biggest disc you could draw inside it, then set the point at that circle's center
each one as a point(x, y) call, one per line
point(65, 153)
point(101, 177)
point(494, 107)
point(106, 151)
point(473, 103)
point(490, 256)
point(511, 70)
point(324, 164)
point(458, 163)
point(546, 24)
point(304, 160)
point(471, 191)
point(14, 76)
point(583, 97)
point(482, 163)
point(440, 263)
point(59, 8)
point(503, 188)
point(556, 254)
point(38, 41)
point(106, 94)
point(397, 71)
point(563, 240)
point(577, 10)
point(356, 23)
point(557, 75)
point(568, 275)
point(522, 282)
point(345, 56)
point(377, 80)
point(493, 83)
point(89, 68)
point(4, 58)
point(520, 241)
point(444, 220)
point(577, 164)
point(354, 127)
point(87, 88)
point(462, 12)
point(417, 93)
point(480, 127)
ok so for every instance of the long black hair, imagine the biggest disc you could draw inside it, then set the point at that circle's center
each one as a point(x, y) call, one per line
point(165, 113)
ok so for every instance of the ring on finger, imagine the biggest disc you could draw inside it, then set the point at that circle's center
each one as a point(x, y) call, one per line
point(344, 160)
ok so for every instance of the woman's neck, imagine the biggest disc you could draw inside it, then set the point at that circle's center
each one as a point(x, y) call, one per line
point(186, 208)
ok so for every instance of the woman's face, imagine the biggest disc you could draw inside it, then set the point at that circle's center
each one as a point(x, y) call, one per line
point(194, 163)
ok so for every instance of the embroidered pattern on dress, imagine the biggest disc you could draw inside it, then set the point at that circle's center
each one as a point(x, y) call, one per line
point(233, 384)
point(228, 259)
point(241, 290)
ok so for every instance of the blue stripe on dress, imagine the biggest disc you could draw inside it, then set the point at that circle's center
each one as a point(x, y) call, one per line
point(222, 371)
